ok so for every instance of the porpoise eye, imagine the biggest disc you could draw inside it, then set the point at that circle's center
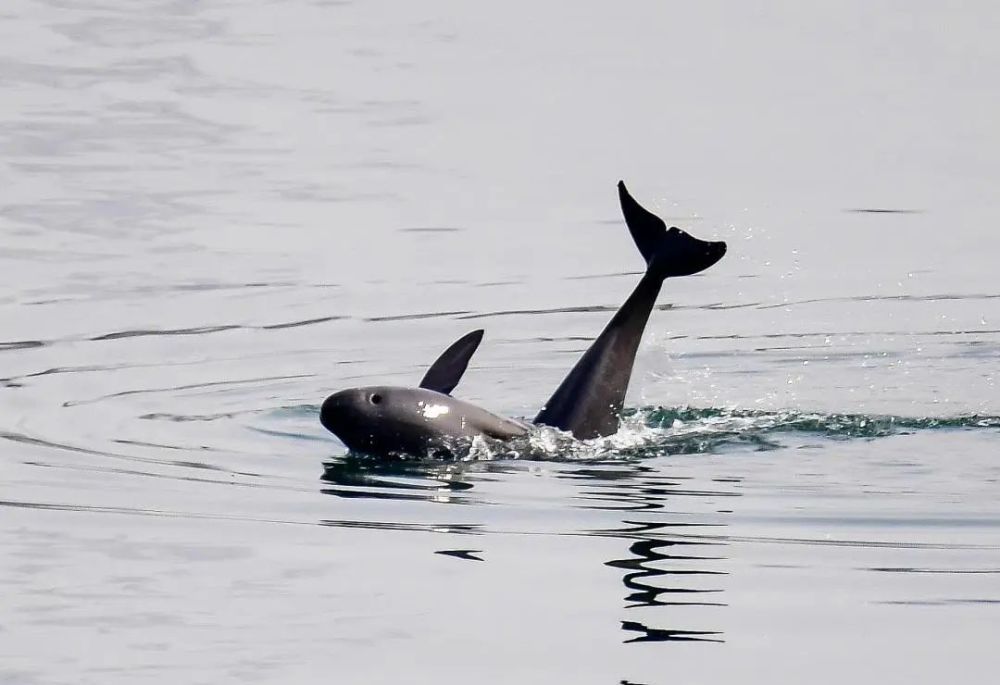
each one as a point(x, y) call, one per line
point(375, 398)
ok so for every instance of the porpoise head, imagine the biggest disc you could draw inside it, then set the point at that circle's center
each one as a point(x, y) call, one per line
point(384, 420)
point(364, 418)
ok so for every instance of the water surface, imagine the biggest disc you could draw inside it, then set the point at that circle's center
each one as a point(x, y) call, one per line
point(215, 214)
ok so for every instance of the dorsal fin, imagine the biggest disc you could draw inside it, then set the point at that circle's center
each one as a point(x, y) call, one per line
point(446, 372)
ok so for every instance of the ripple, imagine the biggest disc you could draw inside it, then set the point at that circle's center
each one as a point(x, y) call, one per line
point(163, 332)
point(903, 569)
point(431, 229)
point(941, 602)
point(876, 210)
point(189, 386)
point(661, 431)
point(21, 344)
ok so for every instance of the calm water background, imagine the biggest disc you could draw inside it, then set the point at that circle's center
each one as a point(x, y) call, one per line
point(216, 213)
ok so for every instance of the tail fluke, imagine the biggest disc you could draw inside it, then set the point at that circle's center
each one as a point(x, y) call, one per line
point(668, 252)
point(589, 400)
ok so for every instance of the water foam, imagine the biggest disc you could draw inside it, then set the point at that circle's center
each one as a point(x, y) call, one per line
point(659, 431)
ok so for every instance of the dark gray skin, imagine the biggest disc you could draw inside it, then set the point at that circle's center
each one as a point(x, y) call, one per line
point(384, 420)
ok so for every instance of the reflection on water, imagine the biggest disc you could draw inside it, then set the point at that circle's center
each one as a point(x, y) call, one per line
point(401, 479)
point(652, 432)
point(216, 213)
point(682, 568)
point(657, 635)
point(654, 513)
point(467, 554)
point(674, 564)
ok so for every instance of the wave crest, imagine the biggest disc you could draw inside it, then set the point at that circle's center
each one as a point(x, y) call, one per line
point(660, 431)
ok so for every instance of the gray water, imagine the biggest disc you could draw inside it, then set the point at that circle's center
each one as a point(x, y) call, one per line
point(214, 214)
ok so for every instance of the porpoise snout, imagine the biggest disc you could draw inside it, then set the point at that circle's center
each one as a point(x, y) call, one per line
point(335, 410)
